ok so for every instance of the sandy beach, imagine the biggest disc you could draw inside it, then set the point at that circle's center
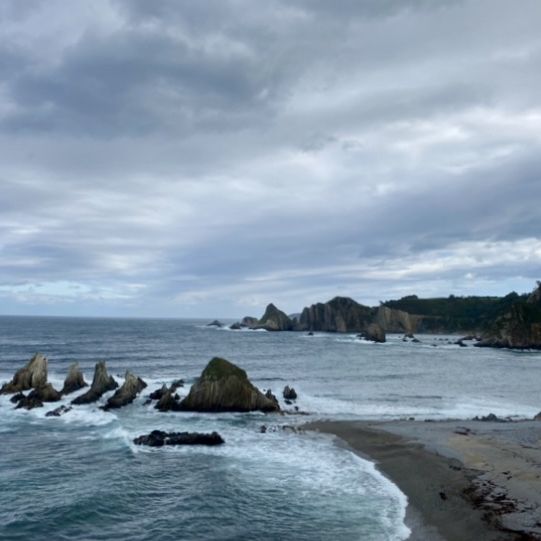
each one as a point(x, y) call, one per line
point(465, 480)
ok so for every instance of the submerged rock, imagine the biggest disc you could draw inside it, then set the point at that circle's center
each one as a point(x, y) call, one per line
point(158, 438)
point(57, 412)
point(74, 380)
point(126, 394)
point(224, 386)
point(101, 383)
point(289, 393)
point(33, 375)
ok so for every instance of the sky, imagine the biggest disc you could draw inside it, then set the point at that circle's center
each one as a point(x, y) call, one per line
point(204, 158)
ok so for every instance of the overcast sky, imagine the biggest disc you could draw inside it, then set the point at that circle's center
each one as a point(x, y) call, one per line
point(204, 158)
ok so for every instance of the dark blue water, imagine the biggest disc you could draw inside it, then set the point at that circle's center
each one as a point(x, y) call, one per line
point(80, 476)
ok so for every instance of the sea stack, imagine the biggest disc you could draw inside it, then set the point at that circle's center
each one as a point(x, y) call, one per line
point(224, 386)
point(131, 387)
point(74, 380)
point(101, 383)
point(32, 376)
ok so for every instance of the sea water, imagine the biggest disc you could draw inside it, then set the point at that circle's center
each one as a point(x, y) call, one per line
point(80, 477)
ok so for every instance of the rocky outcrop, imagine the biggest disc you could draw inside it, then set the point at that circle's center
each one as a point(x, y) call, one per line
point(169, 401)
point(39, 395)
point(519, 328)
point(373, 333)
point(224, 386)
point(289, 393)
point(395, 321)
point(215, 323)
point(101, 383)
point(274, 320)
point(33, 375)
point(341, 314)
point(127, 393)
point(74, 380)
point(249, 321)
point(158, 438)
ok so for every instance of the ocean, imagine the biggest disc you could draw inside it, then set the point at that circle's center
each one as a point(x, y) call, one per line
point(80, 477)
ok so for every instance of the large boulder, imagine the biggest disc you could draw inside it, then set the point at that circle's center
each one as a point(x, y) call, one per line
point(126, 394)
point(158, 438)
point(274, 320)
point(74, 380)
point(101, 383)
point(33, 375)
point(224, 386)
point(39, 395)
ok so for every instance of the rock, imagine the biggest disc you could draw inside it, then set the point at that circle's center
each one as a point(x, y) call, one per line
point(274, 320)
point(33, 375)
point(158, 393)
point(289, 393)
point(215, 323)
point(310, 333)
point(74, 380)
point(16, 398)
point(35, 399)
point(249, 321)
point(61, 410)
point(176, 384)
point(461, 343)
point(537, 417)
point(490, 418)
point(168, 402)
point(235, 327)
point(158, 438)
point(416, 341)
point(374, 333)
point(340, 314)
point(131, 387)
point(270, 396)
point(101, 383)
point(224, 386)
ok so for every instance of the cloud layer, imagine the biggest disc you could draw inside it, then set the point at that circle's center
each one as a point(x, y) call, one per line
point(205, 158)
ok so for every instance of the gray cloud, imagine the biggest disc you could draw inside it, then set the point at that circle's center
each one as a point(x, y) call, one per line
point(165, 158)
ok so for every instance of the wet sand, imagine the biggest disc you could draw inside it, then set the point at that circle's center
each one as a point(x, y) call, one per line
point(465, 480)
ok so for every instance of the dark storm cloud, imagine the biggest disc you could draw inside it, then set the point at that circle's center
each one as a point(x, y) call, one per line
point(207, 157)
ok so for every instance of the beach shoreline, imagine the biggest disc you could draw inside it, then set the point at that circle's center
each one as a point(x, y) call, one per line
point(464, 480)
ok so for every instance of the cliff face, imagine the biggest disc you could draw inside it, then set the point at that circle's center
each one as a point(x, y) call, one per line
point(341, 314)
point(396, 321)
point(520, 327)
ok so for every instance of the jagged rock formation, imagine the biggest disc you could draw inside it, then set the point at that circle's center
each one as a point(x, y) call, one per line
point(33, 375)
point(373, 333)
point(158, 438)
point(289, 393)
point(519, 328)
point(224, 386)
point(74, 380)
point(35, 399)
point(127, 393)
point(101, 383)
point(395, 321)
point(274, 320)
point(341, 314)
point(169, 401)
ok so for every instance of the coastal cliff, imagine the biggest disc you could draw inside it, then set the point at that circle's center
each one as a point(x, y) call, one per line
point(340, 314)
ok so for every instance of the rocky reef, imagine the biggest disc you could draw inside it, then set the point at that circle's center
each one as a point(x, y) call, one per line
point(158, 438)
point(224, 386)
point(101, 383)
